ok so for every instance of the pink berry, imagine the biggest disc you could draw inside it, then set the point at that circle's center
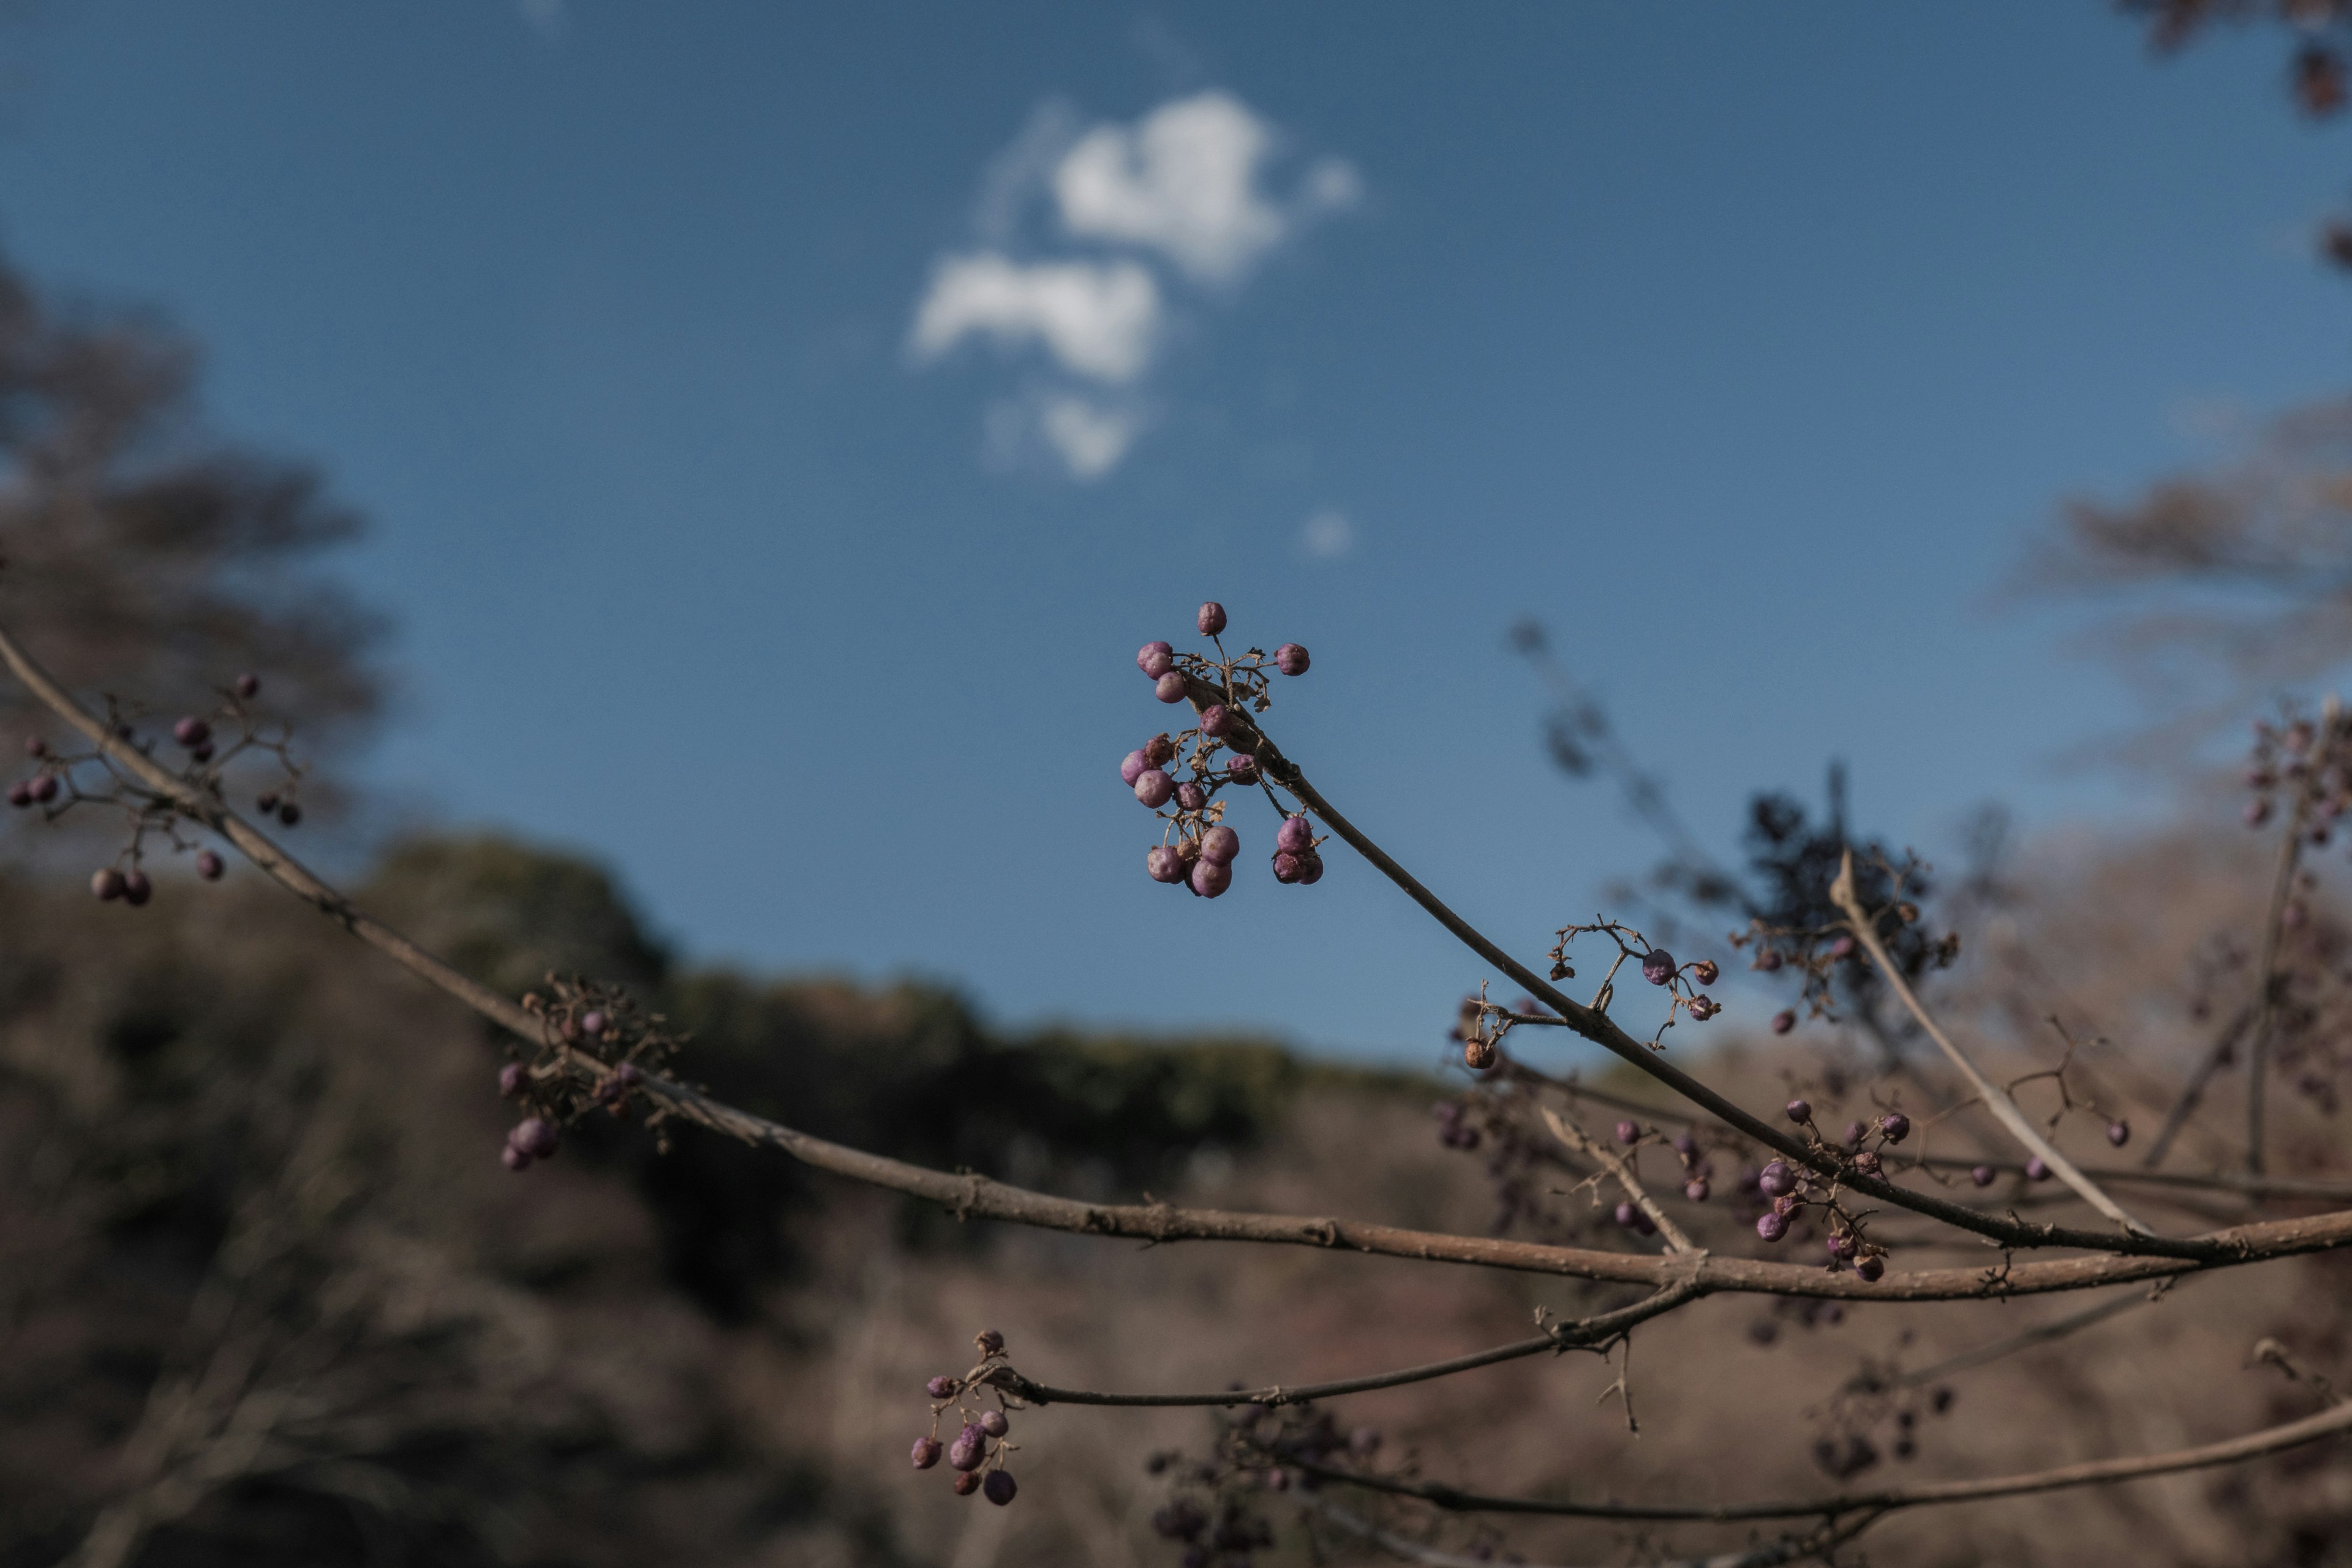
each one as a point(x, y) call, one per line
point(535, 1136)
point(1221, 843)
point(512, 1079)
point(1132, 766)
point(1294, 836)
point(248, 686)
point(1210, 879)
point(1772, 1226)
point(1799, 1112)
point(926, 1453)
point(966, 1452)
point(994, 1422)
point(1216, 719)
point(1695, 1190)
point(592, 1023)
point(1212, 618)
point(2037, 1169)
point(192, 732)
point(1153, 788)
point(1982, 1175)
point(1155, 659)
point(1290, 658)
point(210, 866)
point(2119, 1132)
point(45, 788)
point(1169, 688)
point(1161, 863)
point(514, 1159)
point(1842, 948)
point(1191, 796)
point(1629, 1132)
point(107, 884)
point(1783, 1021)
point(136, 889)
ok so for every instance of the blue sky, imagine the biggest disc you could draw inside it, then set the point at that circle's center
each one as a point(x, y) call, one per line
point(1745, 344)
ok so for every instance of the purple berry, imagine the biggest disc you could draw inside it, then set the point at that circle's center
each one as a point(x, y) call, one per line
point(35, 747)
point(1212, 618)
point(994, 1422)
point(1132, 766)
point(20, 795)
point(136, 889)
point(107, 884)
point(1155, 659)
point(1221, 843)
point(1294, 836)
point(1896, 1125)
point(966, 1484)
point(1626, 1215)
point(264, 803)
point(1290, 658)
point(940, 1388)
point(1191, 796)
point(210, 866)
point(1840, 1246)
point(535, 1136)
point(248, 686)
point(1153, 788)
point(1695, 1190)
point(2119, 1132)
point(1799, 1112)
point(514, 1159)
point(2258, 811)
point(1286, 868)
point(592, 1023)
point(45, 788)
point(627, 1075)
point(1871, 1267)
point(1243, 769)
point(1163, 864)
point(1310, 869)
point(288, 812)
point(1210, 879)
point(1853, 1132)
point(192, 732)
point(1772, 1226)
point(965, 1452)
point(203, 754)
point(1169, 688)
point(512, 1079)
point(2036, 1170)
point(999, 1487)
point(1658, 967)
point(1783, 1021)
point(1842, 948)
point(1217, 719)
point(926, 1453)
point(1629, 1132)
point(1775, 1179)
point(1684, 1144)
point(1982, 1175)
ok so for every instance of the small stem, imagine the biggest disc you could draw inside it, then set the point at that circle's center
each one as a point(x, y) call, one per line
point(1570, 1133)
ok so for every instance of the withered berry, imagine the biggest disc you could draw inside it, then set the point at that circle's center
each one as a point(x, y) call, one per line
point(940, 1387)
point(1244, 769)
point(1658, 967)
point(1290, 658)
point(1191, 796)
point(1212, 618)
point(965, 1452)
point(1159, 751)
point(1220, 844)
point(967, 1483)
point(1286, 868)
point(926, 1453)
point(1153, 788)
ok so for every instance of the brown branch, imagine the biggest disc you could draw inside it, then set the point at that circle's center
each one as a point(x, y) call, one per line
point(2258, 1054)
point(977, 1197)
point(2209, 1182)
point(1995, 1097)
point(2329, 1423)
point(2194, 1090)
point(1585, 1333)
point(1766, 1554)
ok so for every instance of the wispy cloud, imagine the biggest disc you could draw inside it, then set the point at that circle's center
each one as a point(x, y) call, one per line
point(1328, 535)
point(1187, 187)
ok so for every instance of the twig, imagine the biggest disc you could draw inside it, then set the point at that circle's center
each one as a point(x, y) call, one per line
point(1583, 1334)
point(2040, 1334)
point(2329, 1423)
point(2258, 1055)
point(2194, 1090)
point(1996, 1099)
point(1570, 1133)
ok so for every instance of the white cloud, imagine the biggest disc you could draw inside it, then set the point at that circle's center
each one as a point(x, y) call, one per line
point(547, 16)
point(1183, 181)
point(1328, 535)
point(1099, 320)
point(1090, 438)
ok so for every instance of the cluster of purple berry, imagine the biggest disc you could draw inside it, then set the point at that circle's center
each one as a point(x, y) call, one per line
point(977, 1453)
point(1201, 852)
point(1790, 1189)
point(1681, 982)
point(585, 1024)
point(2307, 769)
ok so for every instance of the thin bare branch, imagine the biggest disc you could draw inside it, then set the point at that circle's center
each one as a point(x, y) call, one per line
point(1570, 1133)
point(1996, 1099)
point(2194, 1090)
point(1765, 1554)
point(2273, 983)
